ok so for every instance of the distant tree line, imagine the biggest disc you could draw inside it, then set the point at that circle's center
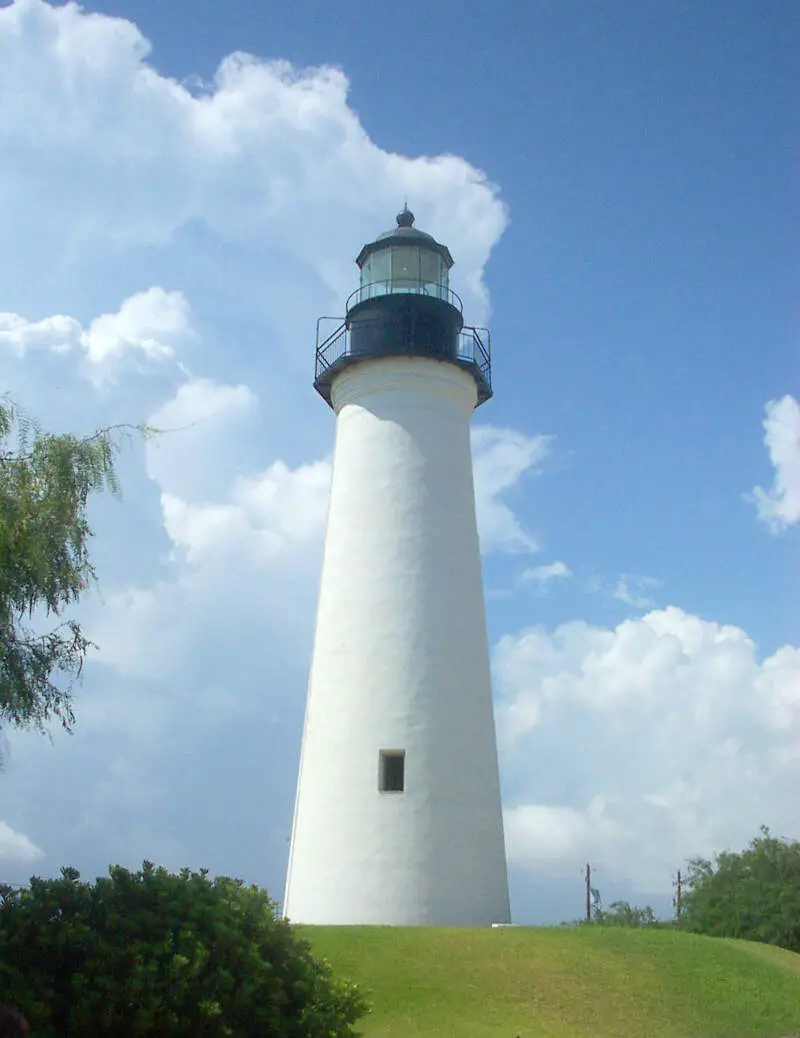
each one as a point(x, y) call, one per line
point(752, 894)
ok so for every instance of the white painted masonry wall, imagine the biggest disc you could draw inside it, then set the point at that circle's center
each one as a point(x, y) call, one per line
point(400, 662)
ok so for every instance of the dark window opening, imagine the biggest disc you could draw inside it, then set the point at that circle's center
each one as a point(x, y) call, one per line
point(392, 771)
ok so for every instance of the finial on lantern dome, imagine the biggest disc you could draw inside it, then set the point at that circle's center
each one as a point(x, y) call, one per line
point(406, 218)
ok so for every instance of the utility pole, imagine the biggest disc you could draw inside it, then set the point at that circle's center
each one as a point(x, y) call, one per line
point(678, 898)
point(588, 892)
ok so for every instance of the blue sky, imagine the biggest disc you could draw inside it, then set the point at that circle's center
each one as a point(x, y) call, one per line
point(617, 187)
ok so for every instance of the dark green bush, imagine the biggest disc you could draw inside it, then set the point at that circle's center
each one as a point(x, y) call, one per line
point(155, 953)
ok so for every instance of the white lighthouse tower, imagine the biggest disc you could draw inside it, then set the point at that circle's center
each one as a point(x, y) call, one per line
point(398, 817)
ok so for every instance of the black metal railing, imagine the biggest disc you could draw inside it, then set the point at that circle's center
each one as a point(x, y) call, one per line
point(404, 286)
point(474, 352)
point(333, 347)
point(475, 345)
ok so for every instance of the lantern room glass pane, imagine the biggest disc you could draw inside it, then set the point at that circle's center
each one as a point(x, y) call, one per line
point(405, 268)
point(433, 274)
point(375, 275)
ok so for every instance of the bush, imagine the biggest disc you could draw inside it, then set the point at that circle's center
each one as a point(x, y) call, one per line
point(155, 953)
point(620, 913)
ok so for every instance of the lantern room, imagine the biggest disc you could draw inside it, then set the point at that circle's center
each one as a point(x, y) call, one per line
point(404, 307)
point(404, 260)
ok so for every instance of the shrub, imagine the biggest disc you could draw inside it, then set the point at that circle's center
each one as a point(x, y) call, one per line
point(156, 953)
point(620, 913)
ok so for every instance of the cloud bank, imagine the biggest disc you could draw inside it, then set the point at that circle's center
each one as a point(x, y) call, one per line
point(174, 246)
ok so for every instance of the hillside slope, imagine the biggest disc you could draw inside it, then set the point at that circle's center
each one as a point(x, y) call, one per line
point(564, 982)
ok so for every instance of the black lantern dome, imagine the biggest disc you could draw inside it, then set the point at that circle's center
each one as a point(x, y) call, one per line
point(404, 307)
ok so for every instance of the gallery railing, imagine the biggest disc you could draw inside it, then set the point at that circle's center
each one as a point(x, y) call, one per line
point(404, 286)
point(474, 352)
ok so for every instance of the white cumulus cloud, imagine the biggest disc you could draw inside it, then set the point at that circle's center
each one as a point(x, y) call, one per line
point(538, 834)
point(501, 458)
point(147, 323)
point(58, 334)
point(645, 744)
point(15, 846)
point(266, 155)
point(197, 448)
point(634, 590)
point(543, 575)
point(264, 515)
point(779, 507)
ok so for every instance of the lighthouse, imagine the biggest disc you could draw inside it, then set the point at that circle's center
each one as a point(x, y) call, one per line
point(398, 818)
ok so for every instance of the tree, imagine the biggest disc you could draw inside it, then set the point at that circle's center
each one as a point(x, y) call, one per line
point(45, 483)
point(155, 953)
point(754, 894)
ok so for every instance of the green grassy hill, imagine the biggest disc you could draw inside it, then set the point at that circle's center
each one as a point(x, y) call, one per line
point(564, 982)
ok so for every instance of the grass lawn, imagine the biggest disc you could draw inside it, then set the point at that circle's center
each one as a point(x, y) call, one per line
point(560, 982)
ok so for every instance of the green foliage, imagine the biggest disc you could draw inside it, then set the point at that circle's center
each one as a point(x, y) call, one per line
point(173, 956)
point(620, 913)
point(45, 483)
point(754, 894)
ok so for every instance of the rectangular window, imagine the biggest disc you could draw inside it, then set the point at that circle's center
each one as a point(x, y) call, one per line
point(392, 771)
